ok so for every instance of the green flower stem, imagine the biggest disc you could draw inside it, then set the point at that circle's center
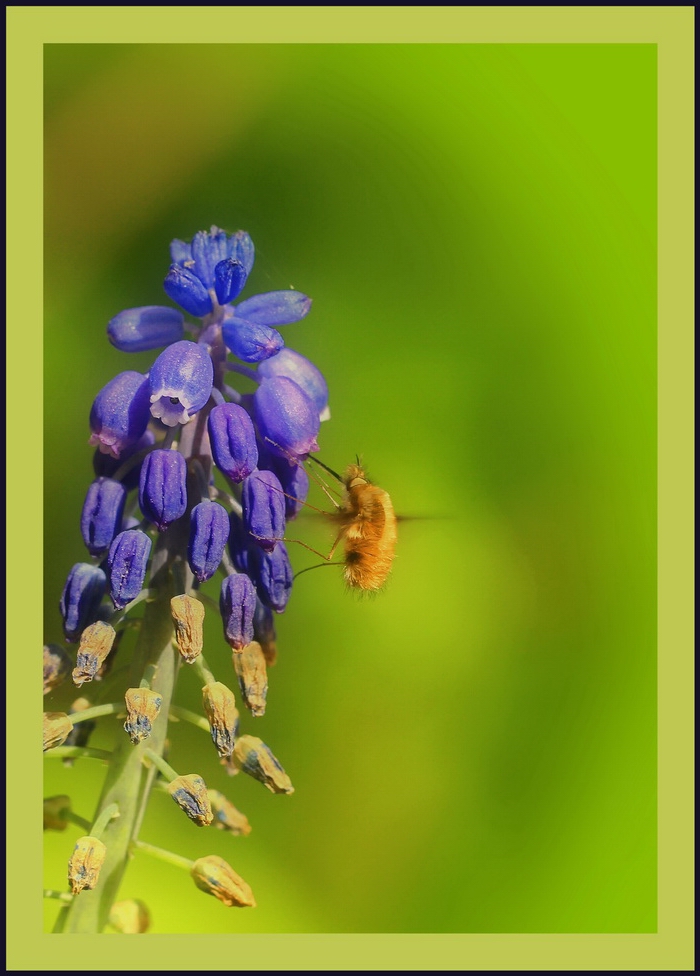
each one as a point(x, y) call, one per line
point(163, 855)
point(161, 765)
point(58, 895)
point(100, 825)
point(97, 711)
point(187, 716)
point(203, 672)
point(77, 752)
point(148, 676)
point(127, 780)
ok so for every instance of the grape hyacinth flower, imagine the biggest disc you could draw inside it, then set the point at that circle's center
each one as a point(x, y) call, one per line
point(193, 477)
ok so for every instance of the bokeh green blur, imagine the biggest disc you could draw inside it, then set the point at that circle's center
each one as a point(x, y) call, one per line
point(474, 750)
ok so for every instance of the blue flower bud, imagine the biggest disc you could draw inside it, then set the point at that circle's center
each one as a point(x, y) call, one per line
point(229, 279)
point(163, 487)
point(102, 514)
point(120, 413)
point(232, 438)
point(274, 308)
point(127, 564)
point(80, 600)
point(240, 247)
point(149, 327)
point(249, 341)
point(238, 543)
point(237, 605)
point(292, 364)
point(209, 530)
point(185, 288)
point(272, 575)
point(180, 380)
point(263, 508)
point(208, 250)
point(292, 476)
point(105, 466)
point(213, 260)
point(286, 416)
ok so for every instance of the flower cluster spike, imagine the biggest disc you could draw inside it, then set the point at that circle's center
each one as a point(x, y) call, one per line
point(215, 474)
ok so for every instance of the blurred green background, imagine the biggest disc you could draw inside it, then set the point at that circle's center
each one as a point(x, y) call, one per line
point(475, 749)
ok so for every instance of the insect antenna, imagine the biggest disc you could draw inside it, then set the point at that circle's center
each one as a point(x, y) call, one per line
point(326, 468)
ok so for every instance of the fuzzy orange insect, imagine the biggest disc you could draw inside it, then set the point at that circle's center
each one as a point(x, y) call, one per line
point(368, 530)
point(367, 526)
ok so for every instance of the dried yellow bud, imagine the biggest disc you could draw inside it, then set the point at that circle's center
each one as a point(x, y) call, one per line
point(226, 816)
point(252, 756)
point(84, 866)
point(188, 616)
point(56, 810)
point(249, 665)
point(57, 666)
point(190, 794)
point(142, 708)
point(130, 917)
point(213, 875)
point(220, 706)
point(57, 728)
point(95, 644)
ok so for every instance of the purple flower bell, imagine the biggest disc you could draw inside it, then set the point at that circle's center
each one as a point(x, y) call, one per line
point(209, 531)
point(296, 367)
point(232, 438)
point(250, 341)
point(180, 381)
point(287, 417)
point(81, 597)
point(272, 575)
point(102, 514)
point(262, 500)
point(149, 327)
point(248, 328)
point(163, 487)
point(237, 605)
point(127, 564)
point(120, 413)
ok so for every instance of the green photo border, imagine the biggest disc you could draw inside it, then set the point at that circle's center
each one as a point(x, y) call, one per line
point(671, 29)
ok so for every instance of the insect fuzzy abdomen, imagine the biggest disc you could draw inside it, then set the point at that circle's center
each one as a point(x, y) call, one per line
point(369, 533)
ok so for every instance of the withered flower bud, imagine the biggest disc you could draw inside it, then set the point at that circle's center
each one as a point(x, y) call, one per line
point(57, 727)
point(190, 794)
point(188, 616)
point(130, 917)
point(220, 706)
point(142, 708)
point(56, 810)
point(252, 756)
point(249, 665)
point(226, 816)
point(95, 644)
point(213, 875)
point(84, 865)
point(57, 666)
